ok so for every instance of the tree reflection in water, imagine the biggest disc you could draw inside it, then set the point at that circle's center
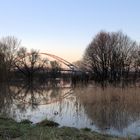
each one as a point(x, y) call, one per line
point(6, 98)
point(31, 95)
point(103, 108)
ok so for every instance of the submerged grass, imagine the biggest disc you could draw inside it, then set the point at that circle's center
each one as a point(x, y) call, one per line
point(45, 130)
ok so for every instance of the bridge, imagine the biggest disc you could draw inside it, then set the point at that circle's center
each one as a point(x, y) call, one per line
point(69, 67)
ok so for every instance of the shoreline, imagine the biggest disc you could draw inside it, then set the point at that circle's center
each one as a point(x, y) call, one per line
point(46, 130)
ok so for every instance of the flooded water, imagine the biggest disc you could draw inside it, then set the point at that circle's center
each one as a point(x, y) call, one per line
point(109, 110)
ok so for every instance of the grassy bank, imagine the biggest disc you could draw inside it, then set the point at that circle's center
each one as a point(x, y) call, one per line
point(45, 130)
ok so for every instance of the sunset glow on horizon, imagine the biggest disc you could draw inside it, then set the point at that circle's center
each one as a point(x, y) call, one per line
point(66, 27)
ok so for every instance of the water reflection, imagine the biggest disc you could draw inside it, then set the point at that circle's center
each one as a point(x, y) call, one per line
point(106, 109)
point(6, 98)
point(111, 108)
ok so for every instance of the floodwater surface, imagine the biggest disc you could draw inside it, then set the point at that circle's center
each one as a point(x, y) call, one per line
point(107, 109)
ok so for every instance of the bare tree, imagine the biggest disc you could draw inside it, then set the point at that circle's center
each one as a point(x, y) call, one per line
point(109, 55)
point(55, 68)
point(8, 48)
point(136, 61)
point(29, 63)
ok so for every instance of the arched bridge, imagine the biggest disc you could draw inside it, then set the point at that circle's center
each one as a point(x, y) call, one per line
point(71, 66)
point(29, 56)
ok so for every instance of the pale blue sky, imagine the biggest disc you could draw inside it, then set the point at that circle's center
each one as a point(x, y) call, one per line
point(66, 27)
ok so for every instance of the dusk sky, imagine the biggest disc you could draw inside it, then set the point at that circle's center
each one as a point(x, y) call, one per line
point(66, 27)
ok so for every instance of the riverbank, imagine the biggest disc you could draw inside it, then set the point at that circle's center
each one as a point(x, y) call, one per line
point(45, 130)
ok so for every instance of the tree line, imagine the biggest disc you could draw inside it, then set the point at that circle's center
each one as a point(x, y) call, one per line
point(110, 56)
